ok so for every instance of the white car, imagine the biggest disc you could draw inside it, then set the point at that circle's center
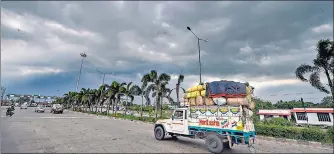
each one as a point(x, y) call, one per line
point(24, 106)
point(40, 108)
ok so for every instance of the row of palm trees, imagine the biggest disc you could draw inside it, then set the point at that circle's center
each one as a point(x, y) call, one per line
point(152, 84)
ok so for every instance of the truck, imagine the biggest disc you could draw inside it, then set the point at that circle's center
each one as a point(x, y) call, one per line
point(222, 124)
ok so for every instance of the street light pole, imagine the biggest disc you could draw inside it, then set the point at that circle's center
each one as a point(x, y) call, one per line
point(104, 75)
point(199, 54)
point(83, 55)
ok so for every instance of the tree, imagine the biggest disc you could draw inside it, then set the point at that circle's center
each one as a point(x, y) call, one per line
point(164, 93)
point(22, 100)
point(114, 89)
point(156, 82)
point(101, 94)
point(91, 98)
point(177, 89)
point(3, 91)
point(144, 94)
point(324, 62)
point(327, 102)
point(130, 92)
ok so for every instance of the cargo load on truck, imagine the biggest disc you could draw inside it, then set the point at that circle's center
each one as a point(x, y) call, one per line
point(221, 104)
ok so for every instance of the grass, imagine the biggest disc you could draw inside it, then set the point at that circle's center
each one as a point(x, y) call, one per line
point(128, 117)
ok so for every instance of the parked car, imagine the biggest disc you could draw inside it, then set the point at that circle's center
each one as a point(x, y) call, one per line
point(40, 108)
point(57, 108)
point(24, 106)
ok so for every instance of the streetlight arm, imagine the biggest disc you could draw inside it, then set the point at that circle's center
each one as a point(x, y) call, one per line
point(195, 35)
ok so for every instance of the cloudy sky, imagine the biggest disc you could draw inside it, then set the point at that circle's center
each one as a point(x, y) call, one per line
point(259, 42)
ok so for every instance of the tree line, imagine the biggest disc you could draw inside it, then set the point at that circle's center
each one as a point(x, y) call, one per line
point(153, 84)
point(326, 102)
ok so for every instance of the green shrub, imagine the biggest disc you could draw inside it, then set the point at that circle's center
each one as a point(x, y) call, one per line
point(330, 134)
point(278, 121)
point(291, 132)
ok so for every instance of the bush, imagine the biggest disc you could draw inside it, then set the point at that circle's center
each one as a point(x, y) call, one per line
point(291, 132)
point(278, 121)
point(330, 135)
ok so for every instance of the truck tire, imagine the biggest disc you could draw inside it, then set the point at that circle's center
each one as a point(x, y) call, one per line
point(214, 143)
point(159, 133)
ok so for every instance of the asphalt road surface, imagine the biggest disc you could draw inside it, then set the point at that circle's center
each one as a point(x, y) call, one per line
point(30, 132)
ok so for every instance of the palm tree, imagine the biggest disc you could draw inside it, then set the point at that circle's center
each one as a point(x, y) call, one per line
point(324, 62)
point(66, 99)
point(101, 95)
point(177, 89)
point(71, 99)
point(85, 98)
point(77, 98)
point(147, 98)
point(130, 92)
point(156, 83)
point(164, 93)
point(112, 91)
point(91, 98)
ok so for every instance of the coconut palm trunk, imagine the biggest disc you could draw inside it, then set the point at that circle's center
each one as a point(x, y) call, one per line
point(141, 108)
point(161, 106)
point(108, 107)
point(126, 105)
point(113, 106)
point(156, 104)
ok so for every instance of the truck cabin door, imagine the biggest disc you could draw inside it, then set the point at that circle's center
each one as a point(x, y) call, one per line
point(179, 121)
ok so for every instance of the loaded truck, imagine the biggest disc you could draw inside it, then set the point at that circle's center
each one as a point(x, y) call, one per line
point(219, 112)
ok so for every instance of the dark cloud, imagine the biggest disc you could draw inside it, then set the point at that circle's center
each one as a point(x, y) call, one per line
point(251, 39)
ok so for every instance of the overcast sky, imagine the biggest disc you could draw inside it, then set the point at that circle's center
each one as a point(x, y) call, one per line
point(259, 42)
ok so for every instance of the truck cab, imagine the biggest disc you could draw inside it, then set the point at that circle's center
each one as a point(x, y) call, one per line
point(177, 124)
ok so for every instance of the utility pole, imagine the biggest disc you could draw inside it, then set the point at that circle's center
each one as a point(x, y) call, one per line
point(83, 55)
point(199, 54)
point(104, 75)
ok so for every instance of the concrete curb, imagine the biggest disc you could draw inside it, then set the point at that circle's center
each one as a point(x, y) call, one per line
point(306, 143)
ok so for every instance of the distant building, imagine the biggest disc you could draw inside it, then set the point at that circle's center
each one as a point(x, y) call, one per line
point(311, 116)
point(314, 116)
point(265, 114)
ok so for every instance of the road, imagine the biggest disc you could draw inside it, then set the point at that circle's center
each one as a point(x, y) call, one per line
point(30, 132)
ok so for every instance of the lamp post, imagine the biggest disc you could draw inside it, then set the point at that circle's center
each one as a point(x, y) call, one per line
point(83, 55)
point(199, 53)
point(104, 75)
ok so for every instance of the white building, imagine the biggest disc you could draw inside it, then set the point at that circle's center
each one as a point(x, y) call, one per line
point(314, 116)
point(265, 114)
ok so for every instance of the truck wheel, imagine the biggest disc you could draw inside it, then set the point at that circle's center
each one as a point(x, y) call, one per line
point(214, 143)
point(159, 133)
